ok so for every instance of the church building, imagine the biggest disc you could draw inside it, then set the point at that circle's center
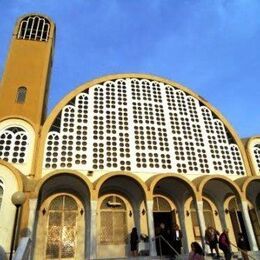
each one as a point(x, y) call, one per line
point(118, 152)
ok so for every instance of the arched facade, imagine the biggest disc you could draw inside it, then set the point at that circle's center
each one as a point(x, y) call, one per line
point(121, 151)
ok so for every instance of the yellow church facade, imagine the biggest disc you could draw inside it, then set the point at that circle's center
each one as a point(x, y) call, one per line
point(120, 151)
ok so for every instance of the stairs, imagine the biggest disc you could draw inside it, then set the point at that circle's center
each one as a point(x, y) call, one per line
point(236, 256)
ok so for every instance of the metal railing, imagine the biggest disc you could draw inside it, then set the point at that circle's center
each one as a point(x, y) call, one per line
point(160, 237)
point(243, 251)
point(24, 249)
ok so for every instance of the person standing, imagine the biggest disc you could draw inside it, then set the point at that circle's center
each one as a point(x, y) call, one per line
point(211, 237)
point(134, 242)
point(242, 244)
point(224, 244)
point(196, 252)
point(162, 242)
point(176, 238)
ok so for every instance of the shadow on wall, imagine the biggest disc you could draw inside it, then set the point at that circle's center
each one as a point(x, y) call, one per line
point(2, 254)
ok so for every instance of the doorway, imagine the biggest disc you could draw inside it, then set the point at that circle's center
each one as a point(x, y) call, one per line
point(237, 221)
point(168, 218)
point(163, 212)
point(61, 226)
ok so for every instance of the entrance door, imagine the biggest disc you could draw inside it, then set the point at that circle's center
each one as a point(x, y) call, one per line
point(60, 233)
point(237, 220)
point(115, 216)
point(163, 212)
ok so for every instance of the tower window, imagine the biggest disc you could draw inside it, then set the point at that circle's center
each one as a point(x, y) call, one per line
point(21, 95)
point(35, 28)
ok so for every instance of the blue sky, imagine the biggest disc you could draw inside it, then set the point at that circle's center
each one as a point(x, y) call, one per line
point(210, 46)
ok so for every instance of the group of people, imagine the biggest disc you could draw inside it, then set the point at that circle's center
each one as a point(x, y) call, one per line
point(170, 243)
point(214, 239)
point(211, 238)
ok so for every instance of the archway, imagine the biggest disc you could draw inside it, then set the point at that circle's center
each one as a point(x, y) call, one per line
point(220, 189)
point(62, 223)
point(64, 226)
point(121, 206)
point(175, 190)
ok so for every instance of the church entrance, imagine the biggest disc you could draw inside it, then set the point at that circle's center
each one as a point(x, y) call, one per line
point(61, 228)
point(237, 220)
point(163, 217)
point(164, 212)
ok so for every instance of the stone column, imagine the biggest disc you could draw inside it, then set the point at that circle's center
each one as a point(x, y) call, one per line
point(149, 204)
point(222, 217)
point(199, 206)
point(93, 231)
point(181, 216)
point(31, 217)
point(248, 226)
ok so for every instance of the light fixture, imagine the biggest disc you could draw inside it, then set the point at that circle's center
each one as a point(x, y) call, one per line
point(113, 204)
point(18, 199)
point(216, 212)
point(187, 213)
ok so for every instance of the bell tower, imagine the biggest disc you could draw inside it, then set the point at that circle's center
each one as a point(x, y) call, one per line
point(24, 85)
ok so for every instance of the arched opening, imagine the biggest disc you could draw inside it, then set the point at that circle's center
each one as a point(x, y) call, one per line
point(235, 214)
point(164, 211)
point(21, 95)
point(121, 206)
point(113, 220)
point(211, 218)
point(35, 28)
point(228, 214)
point(170, 194)
point(64, 226)
point(63, 219)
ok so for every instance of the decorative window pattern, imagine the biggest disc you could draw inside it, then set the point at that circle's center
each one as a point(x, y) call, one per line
point(113, 224)
point(62, 224)
point(35, 28)
point(140, 125)
point(256, 151)
point(13, 145)
point(1, 192)
point(21, 95)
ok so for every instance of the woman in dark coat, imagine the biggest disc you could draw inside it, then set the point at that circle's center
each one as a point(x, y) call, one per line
point(134, 242)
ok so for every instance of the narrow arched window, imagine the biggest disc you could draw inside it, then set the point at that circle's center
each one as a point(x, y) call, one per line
point(21, 95)
point(35, 28)
point(1, 192)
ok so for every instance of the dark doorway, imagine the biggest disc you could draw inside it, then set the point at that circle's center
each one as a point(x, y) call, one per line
point(169, 220)
point(238, 225)
point(164, 217)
